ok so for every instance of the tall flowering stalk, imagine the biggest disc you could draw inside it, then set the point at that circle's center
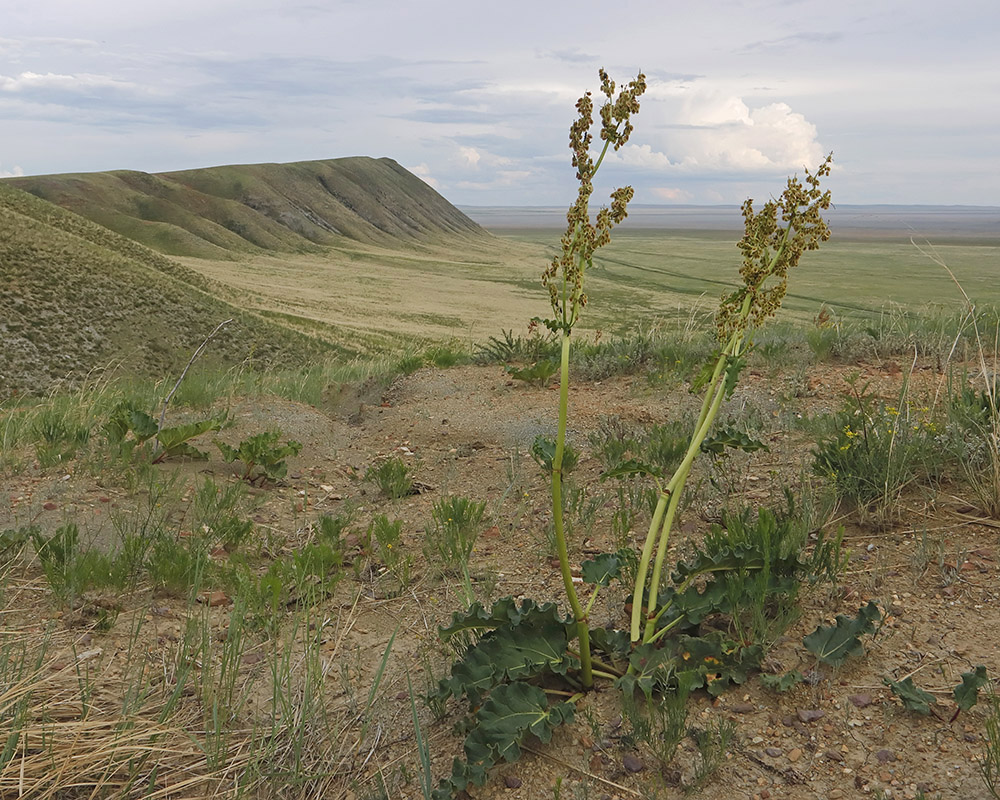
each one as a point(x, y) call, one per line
point(564, 279)
point(774, 240)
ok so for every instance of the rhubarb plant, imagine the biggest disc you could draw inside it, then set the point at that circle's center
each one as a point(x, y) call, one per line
point(750, 563)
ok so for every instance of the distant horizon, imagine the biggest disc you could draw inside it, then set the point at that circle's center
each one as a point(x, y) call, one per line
point(634, 205)
point(865, 220)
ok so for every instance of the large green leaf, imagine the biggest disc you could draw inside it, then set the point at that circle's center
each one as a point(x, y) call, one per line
point(174, 440)
point(719, 659)
point(913, 697)
point(261, 455)
point(602, 570)
point(967, 692)
point(510, 713)
point(509, 654)
point(650, 668)
point(733, 439)
point(612, 641)
point(538, 373)
point(505, 611)
point(124, 418)
point(834, 643)
point(632, 467)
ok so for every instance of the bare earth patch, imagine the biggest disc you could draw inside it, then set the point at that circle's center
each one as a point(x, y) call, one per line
point(467, 431)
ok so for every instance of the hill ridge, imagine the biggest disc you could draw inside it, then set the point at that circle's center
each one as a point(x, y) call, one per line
point(226, 211)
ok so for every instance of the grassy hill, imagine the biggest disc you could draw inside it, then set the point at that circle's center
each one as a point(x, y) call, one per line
point(225, 212)
point(77, 297)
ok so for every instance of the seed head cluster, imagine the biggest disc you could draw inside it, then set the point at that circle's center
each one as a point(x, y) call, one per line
point(773, 242)
point(582, 237)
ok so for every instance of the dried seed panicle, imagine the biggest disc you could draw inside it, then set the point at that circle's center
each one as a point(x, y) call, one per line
point(771, 247)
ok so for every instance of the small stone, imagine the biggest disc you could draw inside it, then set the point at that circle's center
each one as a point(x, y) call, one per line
point(860, 700)
point(773, 752)
point(794, 754)
point(810, 714)
point(743, 708)
point(512, 781)
point(834, 755)
point(50, 506)
point(632, 764)
point(213, 599)
point(885, 756)
point(765, 794)
point(835, 794)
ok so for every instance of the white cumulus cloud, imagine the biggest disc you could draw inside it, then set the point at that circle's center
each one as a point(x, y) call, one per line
point(710, 130)
point(14, 172)
point(470, 155)
point(423, 172)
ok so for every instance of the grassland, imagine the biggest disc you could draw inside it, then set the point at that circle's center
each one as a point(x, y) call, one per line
point(368, 298)
point(860, 276)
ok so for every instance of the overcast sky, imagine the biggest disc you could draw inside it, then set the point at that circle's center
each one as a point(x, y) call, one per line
point(477, 97)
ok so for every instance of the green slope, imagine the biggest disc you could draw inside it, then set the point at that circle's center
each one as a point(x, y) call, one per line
point(222, 212)
point(77, 298)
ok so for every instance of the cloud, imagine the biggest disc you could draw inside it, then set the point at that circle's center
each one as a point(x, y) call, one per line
point(470, 155)
point(423, 172)
point(713, 131)
point(670, 194)
point(84, 82)
point(502, 178)
point(572, 56)
point(451, 116)
point(14, 172)
point(786, 42)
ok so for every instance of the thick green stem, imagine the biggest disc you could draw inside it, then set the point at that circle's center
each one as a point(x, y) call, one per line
point(583, 631)
point(644, 559)
point(681, 477)
point(669, 500)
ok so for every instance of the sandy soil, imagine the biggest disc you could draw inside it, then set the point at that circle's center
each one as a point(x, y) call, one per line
point(466, 431)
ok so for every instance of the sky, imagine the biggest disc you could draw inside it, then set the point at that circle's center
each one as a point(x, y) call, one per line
point(477, 97)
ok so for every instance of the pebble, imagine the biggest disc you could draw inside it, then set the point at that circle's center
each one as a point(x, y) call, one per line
point(810, 714)
point(512, 781)
point(743, 708)
point(794, 754)
point(632, 764)
point(834, 755)
point(835, 794)
point(774, 752)
point(860, 700)
point(885, 756)
point(213, 599)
